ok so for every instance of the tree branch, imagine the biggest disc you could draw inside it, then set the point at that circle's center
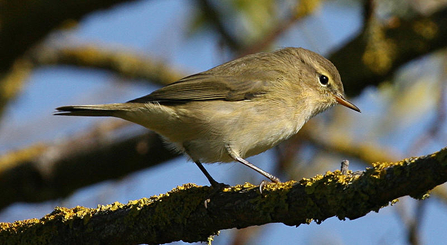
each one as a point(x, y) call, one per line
point(303, 9)
point(122, 62)
point(192, 213)
point(43, 172)
point(390, 47)
point(12, 82)
point(25, 23)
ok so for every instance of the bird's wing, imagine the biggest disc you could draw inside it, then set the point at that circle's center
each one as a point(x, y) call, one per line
point(202, 87)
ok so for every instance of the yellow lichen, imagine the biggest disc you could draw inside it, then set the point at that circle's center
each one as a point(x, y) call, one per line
point(11, 159)
point(379, 53)
point(394, 201)
point(247, 185)
point(306, 7)
point(426, 28)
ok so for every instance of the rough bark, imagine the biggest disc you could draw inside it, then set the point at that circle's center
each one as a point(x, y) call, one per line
point(193, 213)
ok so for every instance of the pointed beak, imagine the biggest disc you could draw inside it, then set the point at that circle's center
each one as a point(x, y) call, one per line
point(342, 101)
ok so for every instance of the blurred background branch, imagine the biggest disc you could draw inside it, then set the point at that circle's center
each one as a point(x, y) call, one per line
point(123, 62)
point(374, 55)
point(49, 171)
point(26, 23)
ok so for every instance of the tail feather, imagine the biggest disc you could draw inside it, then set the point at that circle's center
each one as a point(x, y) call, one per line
point(106, 110)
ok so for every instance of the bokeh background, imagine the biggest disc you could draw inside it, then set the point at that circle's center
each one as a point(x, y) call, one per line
point(391, 56)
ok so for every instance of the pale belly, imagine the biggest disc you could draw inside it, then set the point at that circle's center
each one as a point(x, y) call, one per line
point(245, 127)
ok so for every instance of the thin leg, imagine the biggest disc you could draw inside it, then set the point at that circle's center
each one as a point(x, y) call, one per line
point(250, 165)
point(213, 183)
point(208, 176)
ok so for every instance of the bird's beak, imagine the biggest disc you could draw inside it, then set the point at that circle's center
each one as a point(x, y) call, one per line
point(342, 101)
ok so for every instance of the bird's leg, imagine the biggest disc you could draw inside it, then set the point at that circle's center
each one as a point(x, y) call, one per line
point(213, 182)
point(236, 157)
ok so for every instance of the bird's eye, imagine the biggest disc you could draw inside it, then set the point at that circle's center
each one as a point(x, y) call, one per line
point(324, 80)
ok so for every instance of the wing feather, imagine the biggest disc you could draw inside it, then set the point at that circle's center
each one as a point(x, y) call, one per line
point(203, 86)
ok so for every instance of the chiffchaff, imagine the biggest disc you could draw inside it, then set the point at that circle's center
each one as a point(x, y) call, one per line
point(235, 110)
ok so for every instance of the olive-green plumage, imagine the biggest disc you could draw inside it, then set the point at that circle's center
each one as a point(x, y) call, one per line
point(235, 110)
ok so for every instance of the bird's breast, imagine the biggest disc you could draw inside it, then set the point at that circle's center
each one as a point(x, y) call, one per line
point(248, 127)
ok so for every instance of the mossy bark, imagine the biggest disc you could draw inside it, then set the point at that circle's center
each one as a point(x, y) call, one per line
point(193, 213)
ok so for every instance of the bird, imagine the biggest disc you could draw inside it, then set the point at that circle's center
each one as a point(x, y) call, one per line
point(235, 110)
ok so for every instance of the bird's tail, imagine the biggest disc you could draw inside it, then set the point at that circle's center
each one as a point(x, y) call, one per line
point(106, 110)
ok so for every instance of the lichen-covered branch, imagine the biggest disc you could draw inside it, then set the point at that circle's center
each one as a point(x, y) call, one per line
point(193, 213)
